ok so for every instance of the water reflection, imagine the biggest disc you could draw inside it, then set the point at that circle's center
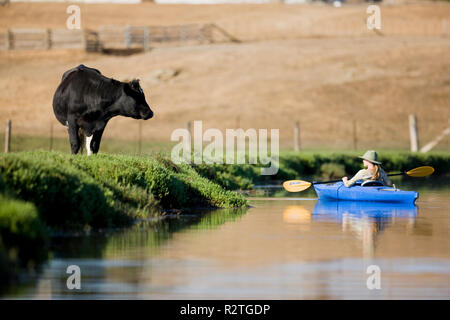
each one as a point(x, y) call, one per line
point(297, 214)
point(113, 261)
point(365, 219)
point(359, 209)
point(282, 248)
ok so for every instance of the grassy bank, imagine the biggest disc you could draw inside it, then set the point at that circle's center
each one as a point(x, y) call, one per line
point(320, 165)
point(42, 192)
point(107, 190)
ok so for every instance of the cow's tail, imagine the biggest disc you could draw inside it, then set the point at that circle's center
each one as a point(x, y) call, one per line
point(82, 138)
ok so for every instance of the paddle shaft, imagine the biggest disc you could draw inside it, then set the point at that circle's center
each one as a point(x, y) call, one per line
point(331, 181)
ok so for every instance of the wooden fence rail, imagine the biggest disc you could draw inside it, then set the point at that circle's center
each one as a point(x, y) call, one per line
point(126, 37)
point(109, 37)
point(29, 39)
point(67, 39)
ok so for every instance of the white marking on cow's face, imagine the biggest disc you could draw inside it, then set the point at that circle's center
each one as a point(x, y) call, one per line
point(88, 145)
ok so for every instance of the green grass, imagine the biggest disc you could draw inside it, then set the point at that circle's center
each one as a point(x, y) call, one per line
point(107, 190)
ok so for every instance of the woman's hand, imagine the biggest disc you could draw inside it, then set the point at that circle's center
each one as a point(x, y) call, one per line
point(345, 179)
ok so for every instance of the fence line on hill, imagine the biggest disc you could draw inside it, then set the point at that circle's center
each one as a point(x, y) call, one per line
point(112, 37)
point(144, 37)
point(53, 141)
point(41, 39)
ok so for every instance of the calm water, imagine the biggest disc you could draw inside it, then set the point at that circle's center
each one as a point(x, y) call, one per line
point(284, 247)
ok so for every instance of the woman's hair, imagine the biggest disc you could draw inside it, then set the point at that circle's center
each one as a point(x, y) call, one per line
point(376, 172)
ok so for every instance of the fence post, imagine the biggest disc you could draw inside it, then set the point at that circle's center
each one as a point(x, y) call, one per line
point(297, 136)
point(51, 136)
point(182, 33)
point(444, 27)
point(48, 39)
point(188, 126)
point(8, 40)
point(83, 39)
point(140, 138)
point(8, 136)
point(127, 37)
point(202, 34)
point(166, 35)
point(413, 135)
point(146, 38)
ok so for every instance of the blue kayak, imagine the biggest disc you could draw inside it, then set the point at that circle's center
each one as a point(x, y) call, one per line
point(338, 191)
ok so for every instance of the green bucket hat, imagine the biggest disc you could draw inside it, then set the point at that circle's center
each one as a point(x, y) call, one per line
point(371, 156)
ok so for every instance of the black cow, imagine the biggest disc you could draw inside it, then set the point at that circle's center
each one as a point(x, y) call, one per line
point(86, 100)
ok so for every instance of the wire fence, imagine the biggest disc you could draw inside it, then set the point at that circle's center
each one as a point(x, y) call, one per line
point(297, 136)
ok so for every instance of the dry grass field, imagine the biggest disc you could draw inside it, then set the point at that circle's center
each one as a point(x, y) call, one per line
point(278, 74)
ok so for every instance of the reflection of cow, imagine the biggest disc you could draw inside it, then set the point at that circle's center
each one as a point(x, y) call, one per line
point(85, 100)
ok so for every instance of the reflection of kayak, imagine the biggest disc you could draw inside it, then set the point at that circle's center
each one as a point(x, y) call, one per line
point(338, 191)
point(364, 208)
point(365, 219)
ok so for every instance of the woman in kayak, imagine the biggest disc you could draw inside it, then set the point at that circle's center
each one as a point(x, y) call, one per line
point(374, 171)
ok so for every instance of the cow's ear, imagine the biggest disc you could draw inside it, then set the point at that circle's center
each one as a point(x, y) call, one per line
point(135, 84)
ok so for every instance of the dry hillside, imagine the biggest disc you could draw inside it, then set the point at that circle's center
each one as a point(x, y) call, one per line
point(325, 82)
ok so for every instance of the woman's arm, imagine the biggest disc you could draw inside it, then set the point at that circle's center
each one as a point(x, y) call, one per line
point(361, 174)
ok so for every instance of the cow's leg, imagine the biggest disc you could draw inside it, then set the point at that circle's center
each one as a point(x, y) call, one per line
point(73, 137)
point(89, 144)
point(97, 137)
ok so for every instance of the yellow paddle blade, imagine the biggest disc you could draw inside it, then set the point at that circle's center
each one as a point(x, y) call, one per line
point(420, 171)
point(296, 185)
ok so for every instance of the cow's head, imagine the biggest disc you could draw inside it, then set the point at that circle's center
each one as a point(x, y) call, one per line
point(134, 104)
